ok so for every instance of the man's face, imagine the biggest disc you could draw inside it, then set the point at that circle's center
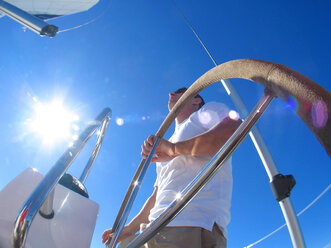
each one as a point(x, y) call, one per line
point(173, 98)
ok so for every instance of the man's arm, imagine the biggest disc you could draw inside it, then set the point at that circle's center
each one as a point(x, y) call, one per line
point(205, 144)
point(134, 226)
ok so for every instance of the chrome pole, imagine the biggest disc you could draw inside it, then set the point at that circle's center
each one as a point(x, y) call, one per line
point(95, 151)
point(292, 223)
point(45, 187)
point(46, 210)
point(33, 23)
point(205, 175)
point(137, 185)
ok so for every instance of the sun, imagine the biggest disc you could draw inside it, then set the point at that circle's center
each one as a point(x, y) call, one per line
point(52, 122)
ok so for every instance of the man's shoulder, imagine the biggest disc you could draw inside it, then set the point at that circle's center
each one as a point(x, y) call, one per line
point(215, 106)
point(210, 114)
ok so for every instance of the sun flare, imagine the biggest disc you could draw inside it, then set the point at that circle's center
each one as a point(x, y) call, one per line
point(52, 122)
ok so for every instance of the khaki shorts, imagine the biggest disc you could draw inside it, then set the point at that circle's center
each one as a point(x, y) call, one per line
point(184, 237)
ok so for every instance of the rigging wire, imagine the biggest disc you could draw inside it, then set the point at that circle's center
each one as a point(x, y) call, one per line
point(302, 211)
point(193, 30)
point(225, 85)
point(90, 21)
point(211, 57)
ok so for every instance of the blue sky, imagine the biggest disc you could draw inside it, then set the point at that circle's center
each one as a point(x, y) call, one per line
point(130, 58)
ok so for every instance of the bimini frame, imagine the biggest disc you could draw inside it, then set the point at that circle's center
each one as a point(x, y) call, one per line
point(30, 21)
point(282, 82)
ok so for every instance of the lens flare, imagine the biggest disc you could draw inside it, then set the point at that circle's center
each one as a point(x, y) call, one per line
point(234, 115)
point(300, 107)
point(319, 114)
point(292, 103)
point(119, 121)
point(205, 117)
point(318, 110)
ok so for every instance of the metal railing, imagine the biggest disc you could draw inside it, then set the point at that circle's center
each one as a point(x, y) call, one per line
point(95, 152)
point(42, 196)
point(31, 22)
point(284, 83)
point(205, 175)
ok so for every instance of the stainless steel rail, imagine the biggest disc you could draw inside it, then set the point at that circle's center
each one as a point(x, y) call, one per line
point(285, 83)
point(30, 208)
point(33, 23)
point(119, 227)
point(205, 175)
point(95, 151)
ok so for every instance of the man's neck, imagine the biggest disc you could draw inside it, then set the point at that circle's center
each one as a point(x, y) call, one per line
point(183, 116)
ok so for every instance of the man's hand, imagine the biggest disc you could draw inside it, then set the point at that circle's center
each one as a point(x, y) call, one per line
point(164, 151)
point(126, 232)
point(205, 144)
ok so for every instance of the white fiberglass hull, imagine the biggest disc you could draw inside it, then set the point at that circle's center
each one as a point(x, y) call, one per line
point(72, 225)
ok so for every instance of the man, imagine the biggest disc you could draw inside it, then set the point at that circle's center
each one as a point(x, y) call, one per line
point(200, 132)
